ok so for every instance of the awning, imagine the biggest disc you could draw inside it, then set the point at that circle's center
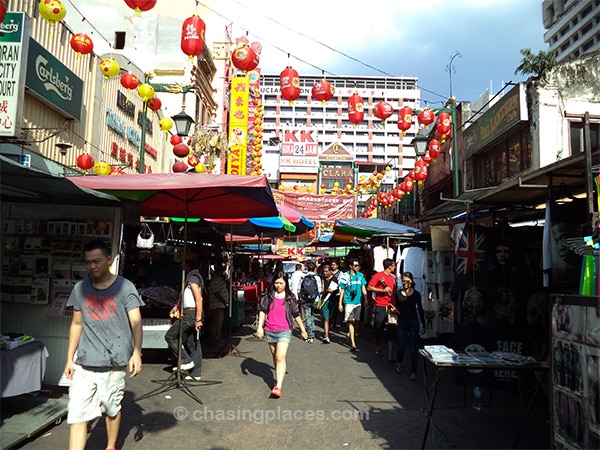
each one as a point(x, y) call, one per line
point(452, 207)
point(25, 184)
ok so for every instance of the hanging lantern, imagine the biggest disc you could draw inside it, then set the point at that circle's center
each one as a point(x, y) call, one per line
point(154, 104)
point(179, 166)
point(193, 160)
point(166, 123)
point(383, 110)
point(102, 168)
point(289, 81)
point(85, 161)
point(176, 139)
point(146, 91)
point(408, 184)
point(405, 115)
point(109, 68)
point(181, 150)
point(323, 91)
point(52, 10)
point(441, 134)
point(2, 10)
point(426, 117)
point(116, 171)
point(192, 36)
point(200, 168)
point(434, 148)
point(356, 109)
point(427, 157)
point(129, 81)
point(420, 171)
point(140, 5)
point(245, 58)
point(80, 42)
point(444, 121)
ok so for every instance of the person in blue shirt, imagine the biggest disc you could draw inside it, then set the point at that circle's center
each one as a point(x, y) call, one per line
point(352, 291)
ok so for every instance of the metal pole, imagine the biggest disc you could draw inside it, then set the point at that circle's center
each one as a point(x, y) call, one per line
point(455, 147)
point(589, 181)
point(143, 140)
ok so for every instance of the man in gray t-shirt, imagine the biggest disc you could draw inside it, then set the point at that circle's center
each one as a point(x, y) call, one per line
point(106, 333)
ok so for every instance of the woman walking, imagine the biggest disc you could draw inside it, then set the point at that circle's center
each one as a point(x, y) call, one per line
point(411, 323)
point(278, 312)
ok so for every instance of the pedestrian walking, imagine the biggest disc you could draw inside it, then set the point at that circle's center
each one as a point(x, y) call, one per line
point(105, 342)
point(352, 291)
point(278, 311)
point(382, 284)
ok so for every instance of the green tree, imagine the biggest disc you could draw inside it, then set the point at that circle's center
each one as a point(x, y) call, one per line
point(537, 65)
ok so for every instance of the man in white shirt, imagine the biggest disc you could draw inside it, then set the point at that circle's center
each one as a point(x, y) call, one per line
point(295, 280)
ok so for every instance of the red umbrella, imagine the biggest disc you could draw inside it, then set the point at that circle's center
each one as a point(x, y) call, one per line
point(303, 225)
point(189, 194)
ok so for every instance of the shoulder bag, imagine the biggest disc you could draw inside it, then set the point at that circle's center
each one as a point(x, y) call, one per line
point(145, 238)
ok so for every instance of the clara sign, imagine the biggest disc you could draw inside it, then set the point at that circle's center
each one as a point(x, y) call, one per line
point(52, 82)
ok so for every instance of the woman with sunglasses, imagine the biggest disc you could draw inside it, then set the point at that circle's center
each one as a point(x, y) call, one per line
point(411, 323)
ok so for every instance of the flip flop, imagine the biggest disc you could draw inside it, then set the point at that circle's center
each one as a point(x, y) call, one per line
point(399, 368)
point(413, 377)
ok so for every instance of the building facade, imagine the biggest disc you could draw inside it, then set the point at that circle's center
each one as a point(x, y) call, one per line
point(573, 27)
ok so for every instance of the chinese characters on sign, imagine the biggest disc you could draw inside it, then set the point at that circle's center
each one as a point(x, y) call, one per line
point(238, 126)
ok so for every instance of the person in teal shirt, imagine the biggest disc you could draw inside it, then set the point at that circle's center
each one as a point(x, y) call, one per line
point(352, 291)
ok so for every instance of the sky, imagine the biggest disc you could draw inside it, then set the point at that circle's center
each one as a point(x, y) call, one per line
point(482, 38)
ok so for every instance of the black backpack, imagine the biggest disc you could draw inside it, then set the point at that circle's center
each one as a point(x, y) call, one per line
point(309, 290)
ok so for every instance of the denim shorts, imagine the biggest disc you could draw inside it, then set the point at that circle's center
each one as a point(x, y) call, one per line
point(276, 337)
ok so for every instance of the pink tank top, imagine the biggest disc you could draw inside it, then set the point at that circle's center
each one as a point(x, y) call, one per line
point(276, 319)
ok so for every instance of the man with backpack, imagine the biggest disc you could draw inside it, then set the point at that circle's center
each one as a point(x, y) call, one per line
point(308, 296)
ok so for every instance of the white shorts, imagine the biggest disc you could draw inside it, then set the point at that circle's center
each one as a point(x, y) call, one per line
point(351, 313)
point(92, 393)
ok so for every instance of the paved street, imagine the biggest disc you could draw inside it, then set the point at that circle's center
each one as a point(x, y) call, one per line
point(332, 398)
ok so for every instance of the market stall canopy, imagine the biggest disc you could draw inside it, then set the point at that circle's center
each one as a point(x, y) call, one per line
point(276, 226)
point(350, 230)
point(328, 240)
point(24, 184)
point(303, 225)
point(189, 194)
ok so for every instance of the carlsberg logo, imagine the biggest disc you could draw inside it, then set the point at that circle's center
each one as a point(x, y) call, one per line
point(9, 28)
point(52, 80)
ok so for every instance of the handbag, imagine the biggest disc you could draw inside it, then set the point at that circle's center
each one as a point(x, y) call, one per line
point(145, 238)
point(160, 246)
point(392, 318)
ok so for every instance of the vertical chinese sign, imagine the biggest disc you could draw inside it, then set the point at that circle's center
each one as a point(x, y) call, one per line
point(13, 45)
point(238, 126)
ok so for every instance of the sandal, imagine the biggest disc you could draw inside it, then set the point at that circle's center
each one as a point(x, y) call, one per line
point(399, 368)
point(413, 377)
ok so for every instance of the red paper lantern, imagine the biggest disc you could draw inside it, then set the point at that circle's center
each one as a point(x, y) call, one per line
point(192, 36)
point(193, 160)
point(140, 5)
point(289, 81)
point(427, 157)
point(176, 139)
point(181, 150)
point(80, 42)
point(420, 171)
point(356, 109)
point(85, 161)
point(426, 117)
point(444, 122)
point(245, 58)
point(408, 184)
point(180, 166)
point(2, 10)
point(154, 104)
point(323, 91)
point(383, 110)
point(405, 119)
point(434, 148)
point(129, 81)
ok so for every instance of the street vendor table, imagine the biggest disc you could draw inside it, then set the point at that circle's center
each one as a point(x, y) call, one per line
point(23, 368)
point(452, 360)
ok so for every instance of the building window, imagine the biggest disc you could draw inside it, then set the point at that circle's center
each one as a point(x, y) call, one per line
point(576, 131)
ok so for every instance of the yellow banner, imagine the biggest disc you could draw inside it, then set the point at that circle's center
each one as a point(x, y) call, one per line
point(238, 126)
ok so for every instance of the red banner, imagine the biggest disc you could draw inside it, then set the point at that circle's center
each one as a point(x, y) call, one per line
point(319, 208)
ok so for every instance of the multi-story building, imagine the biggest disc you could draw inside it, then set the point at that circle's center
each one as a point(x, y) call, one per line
point(345, 151)
point(573, 27)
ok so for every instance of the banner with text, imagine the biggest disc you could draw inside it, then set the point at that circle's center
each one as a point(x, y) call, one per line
point(299, 150)
point(319, 208)
point(238, 126)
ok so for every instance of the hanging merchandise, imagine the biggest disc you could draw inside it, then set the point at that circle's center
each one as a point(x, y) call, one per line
point(140, 5)
point(383, 110)
point(405, 116)
point(192, 36)
point(356, 109)
point(145, 238)
point(323, 91)
point(289, 81)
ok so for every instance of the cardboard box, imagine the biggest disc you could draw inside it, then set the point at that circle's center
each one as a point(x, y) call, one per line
point(40, 291)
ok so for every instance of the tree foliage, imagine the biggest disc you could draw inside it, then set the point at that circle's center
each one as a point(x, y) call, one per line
point(537, 65)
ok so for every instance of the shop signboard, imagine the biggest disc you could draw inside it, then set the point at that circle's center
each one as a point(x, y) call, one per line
point(14, 31)
point(53, 82)
point(238, 126)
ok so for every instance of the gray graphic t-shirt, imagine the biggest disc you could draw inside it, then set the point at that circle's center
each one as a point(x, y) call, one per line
point(106, 339)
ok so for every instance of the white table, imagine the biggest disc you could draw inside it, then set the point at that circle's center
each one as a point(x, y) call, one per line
point(23, 369)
